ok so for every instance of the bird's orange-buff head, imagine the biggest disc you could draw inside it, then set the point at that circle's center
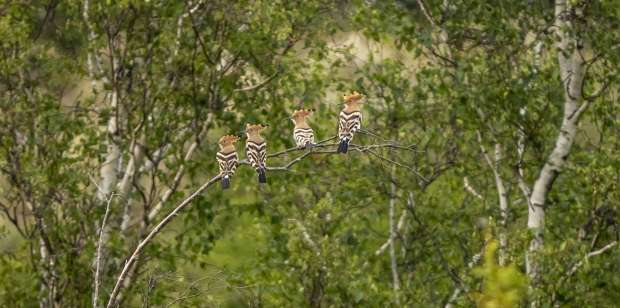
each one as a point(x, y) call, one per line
point(301, 114)
point(228, 141)
point(299, 117)
point(254, 129)
point(353, 98)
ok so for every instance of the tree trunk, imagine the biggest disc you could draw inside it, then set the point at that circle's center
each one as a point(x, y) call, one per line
point(393, 231)
point(571, 66)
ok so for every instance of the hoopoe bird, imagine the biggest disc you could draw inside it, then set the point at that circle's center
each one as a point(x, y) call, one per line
point(303, 133)
point(227, 158)
point(349, 120)
point(256, 150)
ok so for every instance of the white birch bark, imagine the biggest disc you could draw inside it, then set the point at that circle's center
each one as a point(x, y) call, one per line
point(47, 289)
point(393, 234)
point(572, 73)
point(99, 255)
point(399, 228)
point(124, 187)
point(502, 195)
point(109, 168)
point(503, 208)
point(471, 189)
point(525, 189)
point(108, 171)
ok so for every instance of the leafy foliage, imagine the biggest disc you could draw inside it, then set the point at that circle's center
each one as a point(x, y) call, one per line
point(502, 286)
point(158, 82)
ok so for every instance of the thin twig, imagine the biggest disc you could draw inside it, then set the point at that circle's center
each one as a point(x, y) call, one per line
point(353, 148)
point(590, 255)
point(576, 267)
point(471, 189)
point(320, 144)
point(260, 84)
point(399, 227)
point(426, 13)
point(396, 163)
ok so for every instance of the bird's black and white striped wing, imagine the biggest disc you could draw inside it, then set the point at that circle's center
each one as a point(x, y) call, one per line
point(303, 136)
point(348, 124)
point(227, 162)
point(257, 153)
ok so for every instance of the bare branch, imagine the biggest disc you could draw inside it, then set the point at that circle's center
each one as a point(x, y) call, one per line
point(443, 35)
point(260, 84)
point(426, 13)
point(109, 168)
point(99, 254)
point(579, 111)
point(136, 253)
point(590, 255)
point(393, 232)
point(353, 148)
point(319, 144)
point(502, 195)
point(471, 189)
point(182, 17)
point(395, 163)
point(525, 189)
point(124, 186)
point(399, 228)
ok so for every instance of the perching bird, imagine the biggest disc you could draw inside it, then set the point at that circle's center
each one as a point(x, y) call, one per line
point(256, 150)
point(227, 158)
point(303, 134)
point(349, 120)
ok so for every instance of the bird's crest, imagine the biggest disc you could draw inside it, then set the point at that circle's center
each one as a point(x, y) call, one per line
point(352, 98)
point(228, 140)
point(302, 113)
point(254, 127)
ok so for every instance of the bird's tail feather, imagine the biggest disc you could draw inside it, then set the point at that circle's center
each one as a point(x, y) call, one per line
point(262, 177)
point(225, 182)
point(343, 147)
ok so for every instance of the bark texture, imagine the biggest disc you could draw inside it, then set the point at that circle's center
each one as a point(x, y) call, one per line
point(571, 64)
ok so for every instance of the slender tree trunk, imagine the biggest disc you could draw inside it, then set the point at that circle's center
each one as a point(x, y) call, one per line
point(502, 196)
point(109, 170)
point(571, 66)
point(124, 187)
point(393, 231)
point(503, 208)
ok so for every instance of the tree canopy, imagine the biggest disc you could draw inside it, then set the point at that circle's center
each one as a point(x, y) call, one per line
point(485, 174)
